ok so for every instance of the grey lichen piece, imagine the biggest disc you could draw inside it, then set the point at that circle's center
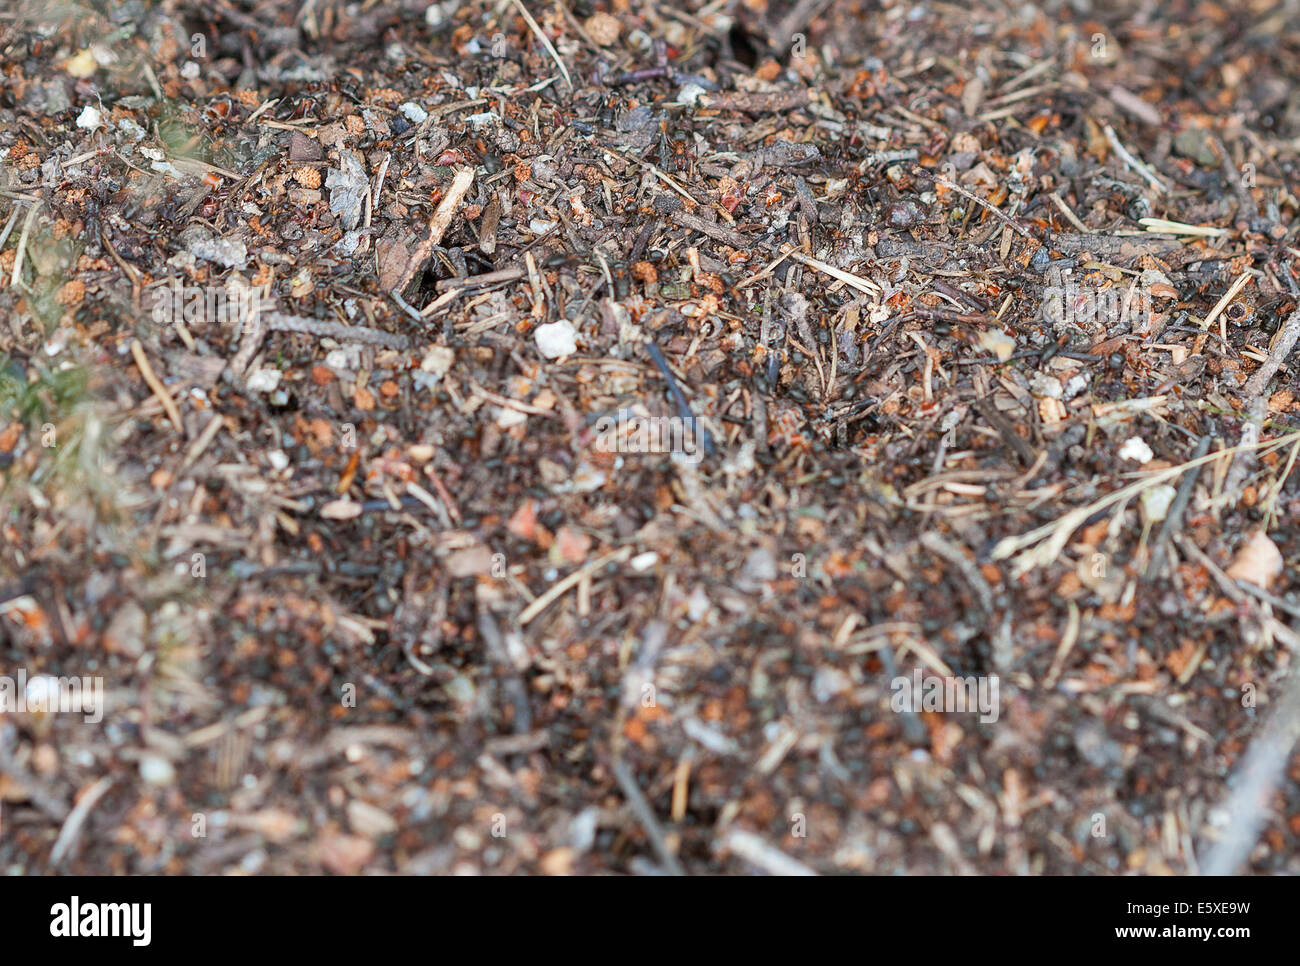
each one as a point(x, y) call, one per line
point(253, 329)
point(227, 252)
point(279, 322)
point(348, 186)
point(786, 154)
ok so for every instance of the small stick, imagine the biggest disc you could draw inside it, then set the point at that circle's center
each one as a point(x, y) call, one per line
point(1258, 775)
point(754, 850)
point(681, 788)
point(1174, 518)
point(1223, 303)
point(443, 493)
point(782, 36)
point(487, 240)
point(679, 398)
point(853, 281)
point(1052, 537)
point(406, 306)
point(546, 42)
point(645, 814)
point(253, 330)
point(449, 205)
point(1070, 216)
point(535, 283)
point(77, 817)
point(999, 632)
point(507, 403)
point(1165, 227)
point(9, 227)
point(281, 322)
point(1283, 343)
point(1273, 600)
point(511, 274)
point(950, 552)
point(1068, 640)
point(1257, 409)
point(658, 173)
point(438, 224)
point(203, 442)
point(22, 244)
point(636, 76)
point(511, 683)
point(991, 208)
point(155, 384)
point(1131, 161)
point(425, 497)
point(725, 235)
point(559, 587)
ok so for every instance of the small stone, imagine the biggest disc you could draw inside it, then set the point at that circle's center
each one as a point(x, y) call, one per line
point(469, 562)
point(81, 65)
point(1156, 502)
point(557, 862)
point(345, 854)
point(263, 380)
point(437, 360)
point(507, 417)
point(125, 632)
point(413, 112)
point(523, 522)
point(227, 252)
point(304, 148)
point(603, 29)
point(570, 546)
point(341, 360)
point(343, 509)
point(1136, 449)
point(760, 565)
point(89, 118)
point(829, 682)
point(690, 94)
point(156, 771)
point(997, 342)
point(1195, 143)
point(556, 339)
point(1258, 562)
point(902, 214)
point(644, 561)
point(370, 821)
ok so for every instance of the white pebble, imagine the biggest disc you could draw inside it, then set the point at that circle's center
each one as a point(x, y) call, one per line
point(644, 561)
point(1156, 502)
point(337, 360)
point(997, 342)
point(556, 339)
point(264, 380)
point(690, 94)
point(437, 360)
point(1136, 449)
point(157, 771)
point(89, 118)
point(413, 112)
